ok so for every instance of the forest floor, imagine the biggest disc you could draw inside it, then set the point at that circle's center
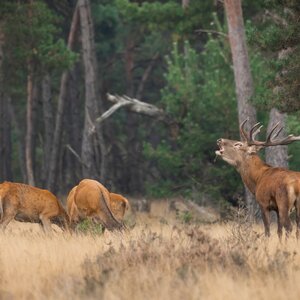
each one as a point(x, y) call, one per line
point(157, 259)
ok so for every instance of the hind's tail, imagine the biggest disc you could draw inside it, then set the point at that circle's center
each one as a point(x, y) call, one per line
point(111, 222)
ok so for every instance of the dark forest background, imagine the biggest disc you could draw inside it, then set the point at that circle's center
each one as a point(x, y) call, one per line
point(60, 59)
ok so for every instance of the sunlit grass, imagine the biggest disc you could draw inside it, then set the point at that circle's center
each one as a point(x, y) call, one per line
point(154, 260)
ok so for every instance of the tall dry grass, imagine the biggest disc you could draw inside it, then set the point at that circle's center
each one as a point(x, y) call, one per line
point(153, 261)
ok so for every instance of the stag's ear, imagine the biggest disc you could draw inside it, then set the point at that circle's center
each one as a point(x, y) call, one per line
point(238, 145)
point(253, 149)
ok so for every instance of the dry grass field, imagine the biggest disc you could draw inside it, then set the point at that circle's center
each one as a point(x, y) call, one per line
point(155, 260)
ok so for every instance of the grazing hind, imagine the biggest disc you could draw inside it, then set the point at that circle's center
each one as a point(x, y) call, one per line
point(275, 189)
point(90, 199)
point(26, 203)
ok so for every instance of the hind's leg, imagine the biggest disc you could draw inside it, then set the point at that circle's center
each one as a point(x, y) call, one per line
point(46, 223)
point(8, 215)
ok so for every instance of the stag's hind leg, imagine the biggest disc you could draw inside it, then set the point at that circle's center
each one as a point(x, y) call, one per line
point(297, 206)
point(283, 212)
point(279, 225)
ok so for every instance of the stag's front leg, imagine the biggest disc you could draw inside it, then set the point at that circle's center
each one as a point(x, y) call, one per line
point(266, 219)
point(279, 225)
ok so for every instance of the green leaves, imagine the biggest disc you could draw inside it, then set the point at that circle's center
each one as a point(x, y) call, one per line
point(32, 34)
point(276, 35)
point(200, 96)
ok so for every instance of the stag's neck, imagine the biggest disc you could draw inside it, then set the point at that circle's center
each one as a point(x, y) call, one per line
point(251, 171)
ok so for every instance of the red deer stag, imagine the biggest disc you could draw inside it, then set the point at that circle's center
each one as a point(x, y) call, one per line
point(26, 203)
point(275, 189)
point(91, 199)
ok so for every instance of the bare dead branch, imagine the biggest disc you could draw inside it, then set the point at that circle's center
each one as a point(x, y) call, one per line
point(146, 75)
point(113, 109)
point(75, 154)
point(212, 31)
point(138, 106)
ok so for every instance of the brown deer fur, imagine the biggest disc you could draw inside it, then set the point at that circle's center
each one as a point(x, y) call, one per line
point(91, 199)
point(26, 203)
point(274, 188)
point(118, 204)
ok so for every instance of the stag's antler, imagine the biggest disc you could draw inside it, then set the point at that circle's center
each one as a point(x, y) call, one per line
point(271, 138)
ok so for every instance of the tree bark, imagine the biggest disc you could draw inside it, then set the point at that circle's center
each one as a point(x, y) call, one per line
point(20, 139)
point(5, 123)
point(5, 140)
point(51, 182)
point(89, 145)
point(277, 156)
point(48, 119)
point(73, 126)
point(185, 4)
point(29, 128)
point(242, 74)
point(140, 90)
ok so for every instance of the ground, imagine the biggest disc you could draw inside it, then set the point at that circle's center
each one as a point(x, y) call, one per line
point(160, 258)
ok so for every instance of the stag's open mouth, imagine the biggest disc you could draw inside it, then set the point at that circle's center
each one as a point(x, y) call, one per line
point(221, 148)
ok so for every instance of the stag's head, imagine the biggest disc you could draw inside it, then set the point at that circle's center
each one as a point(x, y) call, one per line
point(236, 152)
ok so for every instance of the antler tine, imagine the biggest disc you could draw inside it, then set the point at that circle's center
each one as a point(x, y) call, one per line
point(284, 141)
point(287, 140)
point(242, 130)
point(254, 131)
point(269, 137)
point(277, 133)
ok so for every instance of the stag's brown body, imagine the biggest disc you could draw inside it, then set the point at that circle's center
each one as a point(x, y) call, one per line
point(274, 188)
point(90, 199)
point(26, 203)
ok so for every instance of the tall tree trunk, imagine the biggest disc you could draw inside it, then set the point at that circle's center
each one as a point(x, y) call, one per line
point(277, 156)
point(185, 3)
point(5, 140)
point(88, 151)
point(242, 74)
point(51, 182)
point(29, 127)
point(5, 124)
point(73, 126)
point(20, 139)
point(48, 125)
point(132, 155)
